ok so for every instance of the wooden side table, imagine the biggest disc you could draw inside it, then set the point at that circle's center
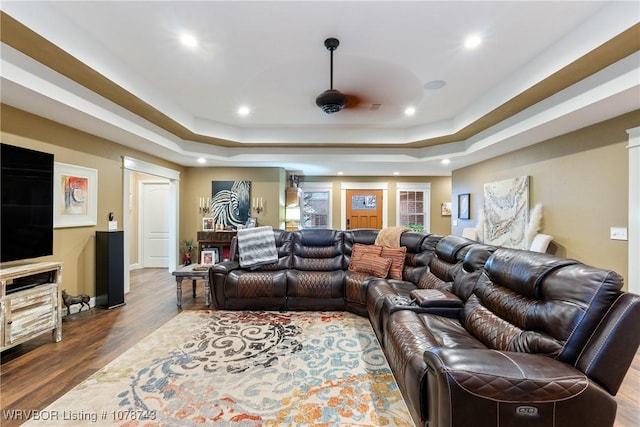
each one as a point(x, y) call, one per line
point(189, 272)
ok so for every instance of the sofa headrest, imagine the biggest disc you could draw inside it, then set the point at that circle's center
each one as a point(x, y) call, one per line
point(412, 240)
point(449, 247)
point(318, 237)
point(366, 236)
point(430, 242)
point(522, 271)
point(477, 256)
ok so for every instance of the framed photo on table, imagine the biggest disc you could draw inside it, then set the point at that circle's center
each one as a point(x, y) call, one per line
point(209, 256)
point(207, 224)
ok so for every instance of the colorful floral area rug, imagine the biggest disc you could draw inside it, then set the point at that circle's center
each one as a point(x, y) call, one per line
point(242, 369)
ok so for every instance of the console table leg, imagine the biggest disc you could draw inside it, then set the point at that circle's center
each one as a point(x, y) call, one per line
point(179, 291)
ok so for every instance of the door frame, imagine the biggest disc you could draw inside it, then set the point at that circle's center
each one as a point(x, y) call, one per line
point(129, 164)
point(344, 186)
point(634, 210)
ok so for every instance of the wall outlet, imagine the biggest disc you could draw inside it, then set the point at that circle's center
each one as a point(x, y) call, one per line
point(454, 222)
point(618, 233)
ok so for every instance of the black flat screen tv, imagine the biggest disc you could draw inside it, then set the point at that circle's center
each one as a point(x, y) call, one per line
point(26, 203)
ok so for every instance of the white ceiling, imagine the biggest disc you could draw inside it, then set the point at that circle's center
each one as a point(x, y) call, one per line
point(269, 56)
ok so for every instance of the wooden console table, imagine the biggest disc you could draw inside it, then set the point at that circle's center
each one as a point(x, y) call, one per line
point(192, 272)
point(215, 239)
point(30, 302)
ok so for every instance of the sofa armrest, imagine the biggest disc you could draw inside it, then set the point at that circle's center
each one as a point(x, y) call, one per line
point(224, 267)
point(435, 298)
point(217, 276)
point(506, 376)
point(613, 345)
point(514, 388)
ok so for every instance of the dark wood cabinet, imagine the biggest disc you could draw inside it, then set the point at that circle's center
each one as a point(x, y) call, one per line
point(215, 239)
point(109, 269)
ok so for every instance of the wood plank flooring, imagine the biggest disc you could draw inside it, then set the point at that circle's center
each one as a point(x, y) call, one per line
point(36, 373)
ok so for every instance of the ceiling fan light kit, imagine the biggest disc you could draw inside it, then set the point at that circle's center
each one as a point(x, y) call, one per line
point(331, 100)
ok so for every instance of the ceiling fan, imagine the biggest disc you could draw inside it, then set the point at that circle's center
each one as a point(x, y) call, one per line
point(332, 100)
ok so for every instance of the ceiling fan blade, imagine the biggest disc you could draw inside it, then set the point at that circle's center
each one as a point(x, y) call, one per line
point(353, 101)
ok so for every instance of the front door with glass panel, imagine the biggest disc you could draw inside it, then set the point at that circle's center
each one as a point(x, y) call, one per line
point(364, 209)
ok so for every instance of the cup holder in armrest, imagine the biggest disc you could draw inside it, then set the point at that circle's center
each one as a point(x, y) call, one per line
point(402, 300)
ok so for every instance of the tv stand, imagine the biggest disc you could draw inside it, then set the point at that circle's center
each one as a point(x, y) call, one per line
point(30, 302)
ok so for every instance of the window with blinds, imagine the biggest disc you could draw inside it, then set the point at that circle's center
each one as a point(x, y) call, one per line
point(315, 209)
point(413, 202)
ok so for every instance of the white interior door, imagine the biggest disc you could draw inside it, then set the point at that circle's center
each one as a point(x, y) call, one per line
point(155, 215)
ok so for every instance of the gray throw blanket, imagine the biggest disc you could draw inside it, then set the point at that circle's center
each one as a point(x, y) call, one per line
point(256, 247)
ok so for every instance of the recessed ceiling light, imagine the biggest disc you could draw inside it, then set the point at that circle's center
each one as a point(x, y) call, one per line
point(396, 173)
point(445, 161)
point(409, 111)
point(188, 40)
point(472, 41)
point(202, 160)
point(244, 111)
point(435, 84)
point(340, 173)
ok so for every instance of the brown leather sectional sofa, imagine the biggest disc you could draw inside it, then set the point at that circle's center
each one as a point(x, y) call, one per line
point(475, 335)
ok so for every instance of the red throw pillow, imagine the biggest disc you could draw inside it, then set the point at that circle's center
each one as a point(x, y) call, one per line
point(371, 264)
point(397, 257)
point(359, 249)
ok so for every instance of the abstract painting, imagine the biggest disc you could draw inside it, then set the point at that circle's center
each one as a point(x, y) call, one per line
point(75, 198)
point(506, 212)
point(230, 202)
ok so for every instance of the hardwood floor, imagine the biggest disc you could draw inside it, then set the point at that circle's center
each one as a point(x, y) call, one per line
point(36, 373)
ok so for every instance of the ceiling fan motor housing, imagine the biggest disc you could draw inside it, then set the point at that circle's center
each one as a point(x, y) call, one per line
point(331, 101)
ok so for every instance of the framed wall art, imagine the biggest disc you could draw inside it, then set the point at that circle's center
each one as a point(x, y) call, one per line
point(464, 206)
point(506, 212)
point(75, 196)
point(230, 202)
point(445, 209)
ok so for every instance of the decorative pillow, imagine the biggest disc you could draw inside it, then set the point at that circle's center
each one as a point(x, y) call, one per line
point(359, 249)
point(397, 257)
point(371, 264)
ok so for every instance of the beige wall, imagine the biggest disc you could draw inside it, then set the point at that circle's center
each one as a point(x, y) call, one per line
point(440, 193)
point(75, 247)
point(580, 178)
point(268, 183)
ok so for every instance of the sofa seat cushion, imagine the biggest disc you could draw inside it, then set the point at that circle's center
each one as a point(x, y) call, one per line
point(356, 285)
point(255, 284)
point(315, 284)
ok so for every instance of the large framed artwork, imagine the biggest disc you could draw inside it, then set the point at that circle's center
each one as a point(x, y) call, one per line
point(506, 212)
point(230, 203)
point(75, 196)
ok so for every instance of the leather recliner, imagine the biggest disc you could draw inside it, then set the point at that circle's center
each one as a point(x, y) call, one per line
point(541, 341)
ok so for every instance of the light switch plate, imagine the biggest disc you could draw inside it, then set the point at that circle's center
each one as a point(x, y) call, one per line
point(618, 233)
